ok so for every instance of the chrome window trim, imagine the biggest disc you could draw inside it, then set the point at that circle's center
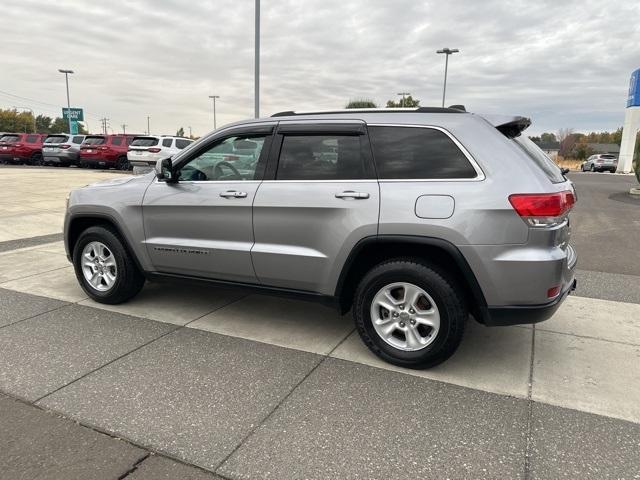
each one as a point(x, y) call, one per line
point(480, 176)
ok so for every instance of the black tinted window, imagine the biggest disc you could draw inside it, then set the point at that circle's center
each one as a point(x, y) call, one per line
point(321, 157)
point(32, 138)
point(56, 139)
point(181, 143)
point(166, 142)
point(78, 139)
point(417, 153)
point(116, 141)
point(94, 140)
point(144, 142)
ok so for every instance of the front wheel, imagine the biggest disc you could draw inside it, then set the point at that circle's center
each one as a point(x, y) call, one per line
point(409, 314)
point(36, 159)
point(104, 268)
point(123, 164)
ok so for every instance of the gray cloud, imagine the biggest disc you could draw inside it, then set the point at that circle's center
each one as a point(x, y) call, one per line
point(565, 64)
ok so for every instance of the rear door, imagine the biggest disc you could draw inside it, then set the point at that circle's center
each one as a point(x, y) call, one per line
point(320, 197)
point(202, 225)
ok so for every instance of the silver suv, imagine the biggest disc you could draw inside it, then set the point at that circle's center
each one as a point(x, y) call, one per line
point(414, 219)
point(61, 149)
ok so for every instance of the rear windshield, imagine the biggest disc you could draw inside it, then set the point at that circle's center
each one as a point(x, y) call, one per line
point(609, 157)
point(547, 165)
point(94, 140)
point(10, 138)
point(144, 142)
point(56, 139)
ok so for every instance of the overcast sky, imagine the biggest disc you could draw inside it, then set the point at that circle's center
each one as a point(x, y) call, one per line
point(563, 63)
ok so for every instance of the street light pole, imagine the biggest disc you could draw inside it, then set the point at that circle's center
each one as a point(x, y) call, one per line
point(256, 106)
point(447, 51)
point(213, 97)
point(148, 129)
point(403, 94)
point(66, 78)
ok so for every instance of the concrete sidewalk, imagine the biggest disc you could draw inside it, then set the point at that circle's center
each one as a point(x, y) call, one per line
point(248, 409)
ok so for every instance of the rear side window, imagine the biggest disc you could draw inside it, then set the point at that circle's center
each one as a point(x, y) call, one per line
point(181, 143)
point(417, 153)
point(116, 141)
point(321, 157)
point(166, 142)
point(78, 140)
point(56, 139)
point(540, 158)
point(94, 140)
point(32, 138)
point(144, 142)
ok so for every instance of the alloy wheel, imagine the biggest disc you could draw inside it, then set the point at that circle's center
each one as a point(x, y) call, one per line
point(99, 266)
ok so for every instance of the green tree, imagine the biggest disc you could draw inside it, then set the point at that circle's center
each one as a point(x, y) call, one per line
point(547, 138)
point(408, 102)
point(59, 125)
point(43, 124)
point(180, 132)
point(361, 103)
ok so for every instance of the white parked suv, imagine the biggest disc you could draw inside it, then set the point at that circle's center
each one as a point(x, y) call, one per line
point(144, 152)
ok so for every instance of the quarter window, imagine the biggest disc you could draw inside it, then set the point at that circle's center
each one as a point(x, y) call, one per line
point(321, 157)
point(116, 141)
point(417, 153)
point(232, 159)
point(78, 140)
point(32, 138)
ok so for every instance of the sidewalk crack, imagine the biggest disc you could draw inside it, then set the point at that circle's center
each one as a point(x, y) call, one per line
point(135, 466)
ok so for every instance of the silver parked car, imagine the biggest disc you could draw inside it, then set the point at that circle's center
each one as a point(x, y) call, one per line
point(601, 163)
point(411, 218)
point(61, 149)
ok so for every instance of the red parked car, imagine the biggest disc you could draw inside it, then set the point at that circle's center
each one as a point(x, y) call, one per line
point(21, 148)
point(108, 151)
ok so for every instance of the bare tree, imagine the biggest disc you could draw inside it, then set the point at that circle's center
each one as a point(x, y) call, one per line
point(565, 138)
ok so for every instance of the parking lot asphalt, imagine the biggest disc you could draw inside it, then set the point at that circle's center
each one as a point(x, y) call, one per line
point(200, 382)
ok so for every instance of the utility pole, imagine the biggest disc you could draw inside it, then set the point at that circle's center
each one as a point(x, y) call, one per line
point(124, 128)
point(190, 136)
point(104, 121)
point(213, 97)
point(256, 106)
point(403, 94)
point(66, 78)
point(148, 128)
point(447, 51)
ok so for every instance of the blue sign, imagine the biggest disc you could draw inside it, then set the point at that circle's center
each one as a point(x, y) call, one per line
point(634, 90)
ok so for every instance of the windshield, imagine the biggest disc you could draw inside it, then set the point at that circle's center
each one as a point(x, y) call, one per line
point(144, 142)
point(94, 141)
point(56, 139)
point(9, 138)
point(547, 165)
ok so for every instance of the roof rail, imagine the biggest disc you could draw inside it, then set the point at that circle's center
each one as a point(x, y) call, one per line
point(453, 109)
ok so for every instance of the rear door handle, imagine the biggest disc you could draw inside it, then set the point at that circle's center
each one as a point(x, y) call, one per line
point(352, 194)
point(233, 194)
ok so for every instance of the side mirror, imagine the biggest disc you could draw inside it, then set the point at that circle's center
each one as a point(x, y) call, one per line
point(164, 171)
point(564, 171)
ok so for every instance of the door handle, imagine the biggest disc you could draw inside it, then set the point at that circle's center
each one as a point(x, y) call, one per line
point(352, 194)
point(233, 194)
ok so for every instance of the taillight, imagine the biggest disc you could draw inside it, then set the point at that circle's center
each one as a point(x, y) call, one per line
point(153, 150)
point(103, 148)
point(17, 144)
point(64, 147)
point(542, 209)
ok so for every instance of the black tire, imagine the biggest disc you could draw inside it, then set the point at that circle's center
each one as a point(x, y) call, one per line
point(129, 280)
point(593, 169)
point(123, 164)
point(450, 301)
point(36, 159)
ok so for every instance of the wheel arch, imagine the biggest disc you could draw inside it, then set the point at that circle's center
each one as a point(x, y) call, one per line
point(370, 251)
point(80, 222)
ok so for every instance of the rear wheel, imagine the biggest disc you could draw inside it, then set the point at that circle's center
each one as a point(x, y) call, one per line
point(410, 314)
point(104, 268)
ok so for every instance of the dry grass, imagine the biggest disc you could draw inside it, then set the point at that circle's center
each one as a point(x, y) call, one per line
point(570, 163)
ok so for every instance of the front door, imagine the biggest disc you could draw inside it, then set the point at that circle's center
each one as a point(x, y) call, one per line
point(202, 225)
point(320, 197)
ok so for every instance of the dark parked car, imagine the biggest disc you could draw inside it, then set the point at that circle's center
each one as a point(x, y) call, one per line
point(107, 151)
point(21, 148)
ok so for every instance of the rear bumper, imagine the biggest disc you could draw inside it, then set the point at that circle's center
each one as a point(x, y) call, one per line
point(60, 157)
point(524, 314)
